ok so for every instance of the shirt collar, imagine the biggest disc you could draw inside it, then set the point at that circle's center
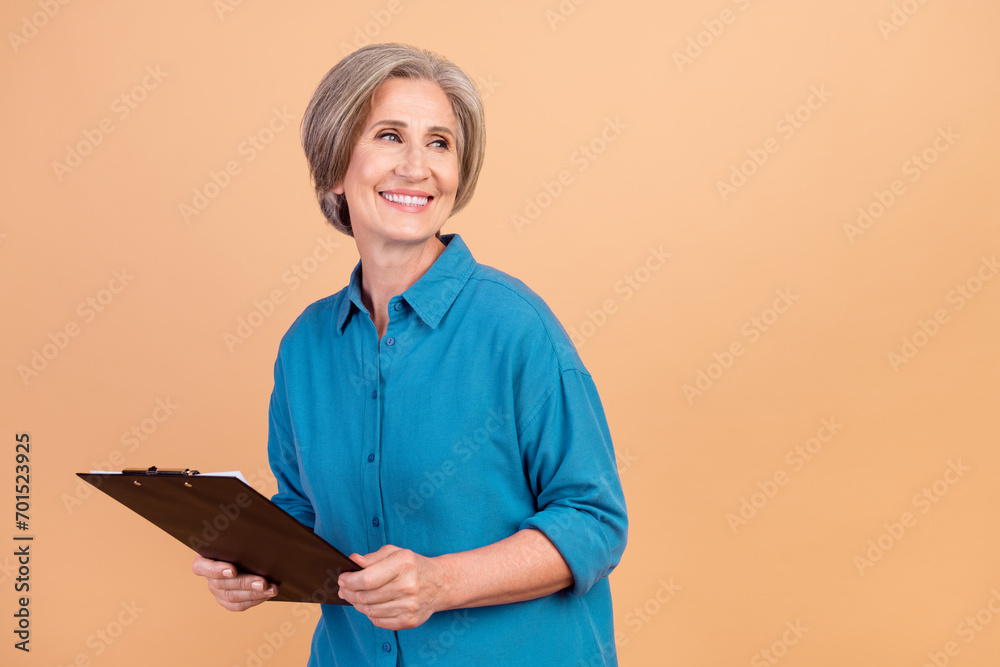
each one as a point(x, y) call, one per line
point(433, 293)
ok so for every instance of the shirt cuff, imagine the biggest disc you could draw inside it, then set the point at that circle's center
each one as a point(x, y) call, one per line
point(580, 542)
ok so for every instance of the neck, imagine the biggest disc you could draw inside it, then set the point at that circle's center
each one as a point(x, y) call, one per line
point(390, 269)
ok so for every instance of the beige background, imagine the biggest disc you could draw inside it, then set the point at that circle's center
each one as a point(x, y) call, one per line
point(697, 585)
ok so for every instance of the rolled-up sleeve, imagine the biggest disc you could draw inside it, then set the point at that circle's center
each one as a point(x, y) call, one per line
point(570, 463)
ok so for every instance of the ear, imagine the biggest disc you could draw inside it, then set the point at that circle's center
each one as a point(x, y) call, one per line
point(338, 188)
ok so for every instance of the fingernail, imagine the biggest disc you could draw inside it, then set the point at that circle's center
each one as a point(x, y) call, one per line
point(227, 572)
point(258, 585)
point(272, 591)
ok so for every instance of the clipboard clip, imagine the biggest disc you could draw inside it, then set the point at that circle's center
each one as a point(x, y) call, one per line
point(153, 470)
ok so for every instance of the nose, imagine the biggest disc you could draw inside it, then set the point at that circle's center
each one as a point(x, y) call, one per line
point(413, 164)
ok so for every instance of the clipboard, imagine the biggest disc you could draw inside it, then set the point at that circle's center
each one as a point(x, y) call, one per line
point(224, 518)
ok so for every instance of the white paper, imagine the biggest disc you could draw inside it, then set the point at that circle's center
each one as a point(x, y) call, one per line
point(232, 473)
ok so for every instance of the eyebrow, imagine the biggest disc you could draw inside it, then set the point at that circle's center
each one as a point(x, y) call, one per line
point(436, 129)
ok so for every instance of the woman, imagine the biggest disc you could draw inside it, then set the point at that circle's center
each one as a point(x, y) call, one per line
point(433, 415)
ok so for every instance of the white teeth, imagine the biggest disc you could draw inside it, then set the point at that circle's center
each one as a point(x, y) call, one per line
point(406, 200)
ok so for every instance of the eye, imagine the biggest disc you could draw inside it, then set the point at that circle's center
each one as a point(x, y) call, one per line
point(440, 143)
point(395, 137)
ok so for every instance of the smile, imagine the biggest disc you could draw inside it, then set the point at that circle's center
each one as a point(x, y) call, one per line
point(405, 200)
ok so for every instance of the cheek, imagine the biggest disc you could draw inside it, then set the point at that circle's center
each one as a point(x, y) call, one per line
point(450, 178)
point(365, 171)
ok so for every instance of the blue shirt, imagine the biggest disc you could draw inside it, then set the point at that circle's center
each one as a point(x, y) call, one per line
point(472, 418)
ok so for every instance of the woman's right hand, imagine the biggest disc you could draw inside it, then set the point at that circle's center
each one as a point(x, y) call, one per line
point(234, 591)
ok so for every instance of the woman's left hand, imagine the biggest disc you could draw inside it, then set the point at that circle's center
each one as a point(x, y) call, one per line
point(397, 589)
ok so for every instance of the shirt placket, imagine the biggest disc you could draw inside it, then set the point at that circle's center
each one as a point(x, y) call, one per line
point(377, 357)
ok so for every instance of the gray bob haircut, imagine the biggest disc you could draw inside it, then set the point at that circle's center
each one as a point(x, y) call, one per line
point(333, 122)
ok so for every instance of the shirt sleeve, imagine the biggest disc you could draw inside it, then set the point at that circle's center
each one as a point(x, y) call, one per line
point(570, 463)
point(283, 456)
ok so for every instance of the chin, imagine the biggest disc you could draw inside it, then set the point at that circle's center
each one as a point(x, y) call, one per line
point(411, 236)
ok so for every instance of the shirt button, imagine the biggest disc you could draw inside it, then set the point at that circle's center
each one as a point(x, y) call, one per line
point(398, 305)
point(374, 393)
point(390, 341)
point(375, 522)
point(371, 457)
point(387, 647)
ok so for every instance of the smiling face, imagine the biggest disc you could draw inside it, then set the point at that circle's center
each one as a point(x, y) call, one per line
point(401, 182)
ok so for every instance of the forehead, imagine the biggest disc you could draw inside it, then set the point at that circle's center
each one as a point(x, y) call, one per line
point(412, 101)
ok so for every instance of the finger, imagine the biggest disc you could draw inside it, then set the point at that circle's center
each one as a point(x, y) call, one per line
point(391, 586)
point(398, 622)
point(243, 594)
point(369, 602)
point(241, 606)
point(403, 612)
point(382, 553)
point(356, 582)
point(390, 593)
point(375, 556)
point(238, 599)
point(214, 569)
point(374, 576)
point(243, 582)
point(224, 575)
